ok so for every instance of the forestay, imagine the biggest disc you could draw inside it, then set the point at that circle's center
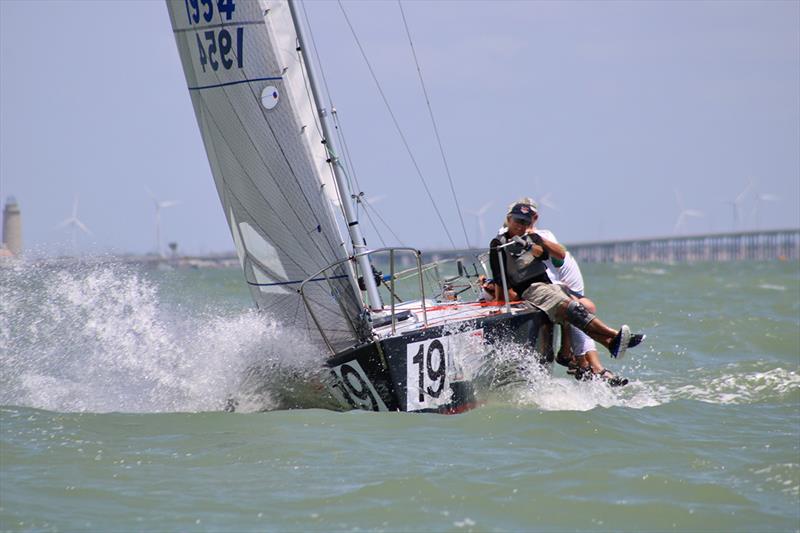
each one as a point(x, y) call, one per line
point(259, 126)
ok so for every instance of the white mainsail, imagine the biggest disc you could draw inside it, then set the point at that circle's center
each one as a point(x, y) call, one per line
point(259, 125)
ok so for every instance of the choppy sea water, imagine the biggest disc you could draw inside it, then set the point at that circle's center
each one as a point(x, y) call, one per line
point(113, 382)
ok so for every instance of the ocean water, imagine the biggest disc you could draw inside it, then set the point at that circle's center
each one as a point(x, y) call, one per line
point(113, 382)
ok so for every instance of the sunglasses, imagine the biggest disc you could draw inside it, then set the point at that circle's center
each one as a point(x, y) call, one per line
point(519, 220)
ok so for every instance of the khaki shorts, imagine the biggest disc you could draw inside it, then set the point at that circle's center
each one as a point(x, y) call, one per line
point(548, 298)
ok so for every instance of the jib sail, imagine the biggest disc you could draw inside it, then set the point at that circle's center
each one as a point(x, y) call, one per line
point(248, 86)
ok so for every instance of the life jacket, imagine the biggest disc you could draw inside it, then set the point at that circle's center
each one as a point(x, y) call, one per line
point(521, 265)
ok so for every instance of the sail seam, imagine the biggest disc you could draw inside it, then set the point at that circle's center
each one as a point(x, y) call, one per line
point(253, 219)
point(277, 185)
point(220, 25)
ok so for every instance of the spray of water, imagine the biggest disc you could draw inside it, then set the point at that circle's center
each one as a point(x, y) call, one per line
point(99, 338)
point(89, 337)
point(515, 378)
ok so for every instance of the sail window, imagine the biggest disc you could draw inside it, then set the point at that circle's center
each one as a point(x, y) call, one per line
point(269, 97)
point(260, 249)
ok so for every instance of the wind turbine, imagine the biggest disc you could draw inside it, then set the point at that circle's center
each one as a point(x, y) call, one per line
point(370, 201)
point(479, 216)
point(684, 213)
point(736, 205)
point(76, 225)
point(159, 205)
point(545, 199)
point(761, 197)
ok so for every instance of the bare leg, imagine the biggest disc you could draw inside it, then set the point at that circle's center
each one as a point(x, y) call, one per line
point(591, 358)
point(565, 356)
point(588, 304)
point(546, 346)
point(603, 334)
point(596, 329)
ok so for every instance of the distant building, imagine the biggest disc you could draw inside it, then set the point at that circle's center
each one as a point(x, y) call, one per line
point(12, 227)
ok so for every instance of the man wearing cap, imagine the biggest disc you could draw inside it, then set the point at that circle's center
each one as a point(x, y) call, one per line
point(578, 351)
point(524, 252)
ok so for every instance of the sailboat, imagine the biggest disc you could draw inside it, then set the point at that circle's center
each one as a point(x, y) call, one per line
point(287, 201)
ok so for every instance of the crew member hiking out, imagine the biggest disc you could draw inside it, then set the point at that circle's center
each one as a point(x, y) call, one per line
point(578, 352)
point(524, 253)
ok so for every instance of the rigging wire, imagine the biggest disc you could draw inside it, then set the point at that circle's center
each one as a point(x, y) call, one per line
point(360, 197)
point(328, 94)
point(433, 122)
point(307, 87)
point(396, 124)
point(368, 206)
point(371, 222)
point(348, 165)
point(328, 149)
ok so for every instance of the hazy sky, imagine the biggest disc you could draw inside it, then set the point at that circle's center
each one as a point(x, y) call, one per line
point(605, 107)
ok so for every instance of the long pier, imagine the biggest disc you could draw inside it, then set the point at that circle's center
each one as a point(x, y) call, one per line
point(772, 245)
point(783, 244)
point(740, 246)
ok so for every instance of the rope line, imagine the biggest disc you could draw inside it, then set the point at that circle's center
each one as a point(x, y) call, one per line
point(368, 206)
point(433, 122)
point(346, 163)
point(396, 124)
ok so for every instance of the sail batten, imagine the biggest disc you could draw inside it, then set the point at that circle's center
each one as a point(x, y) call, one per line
point(258, 125)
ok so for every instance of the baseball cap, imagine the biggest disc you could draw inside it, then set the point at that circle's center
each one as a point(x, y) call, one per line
point(522, 211)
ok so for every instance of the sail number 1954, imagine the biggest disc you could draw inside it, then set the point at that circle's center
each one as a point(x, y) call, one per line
point(217, 49)
point(220, 48)
point(198, 10)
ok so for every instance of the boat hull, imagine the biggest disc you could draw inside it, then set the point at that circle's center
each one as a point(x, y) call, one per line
point(435, 369)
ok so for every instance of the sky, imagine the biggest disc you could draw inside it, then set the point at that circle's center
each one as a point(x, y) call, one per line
point(619, 115)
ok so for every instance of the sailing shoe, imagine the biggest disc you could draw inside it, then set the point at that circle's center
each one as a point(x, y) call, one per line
point(636, 339)
point(621, 342)
point(565, 360)
point(608, 377)
point(583, 373)
point(573, 368)
point(611, 379)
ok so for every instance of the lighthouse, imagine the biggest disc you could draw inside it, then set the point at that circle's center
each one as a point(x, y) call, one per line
point(12, 227)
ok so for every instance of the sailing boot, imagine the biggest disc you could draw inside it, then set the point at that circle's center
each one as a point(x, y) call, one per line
point(624, 340)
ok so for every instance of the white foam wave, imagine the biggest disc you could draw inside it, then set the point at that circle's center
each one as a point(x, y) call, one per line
point(531, 384)
point(771, 287)
point(553, 393)
point(737, 388)
point(651, 271)
point(98, 338)
point(528, 383)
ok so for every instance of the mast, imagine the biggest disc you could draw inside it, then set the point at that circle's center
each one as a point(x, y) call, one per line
point(356, 238)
